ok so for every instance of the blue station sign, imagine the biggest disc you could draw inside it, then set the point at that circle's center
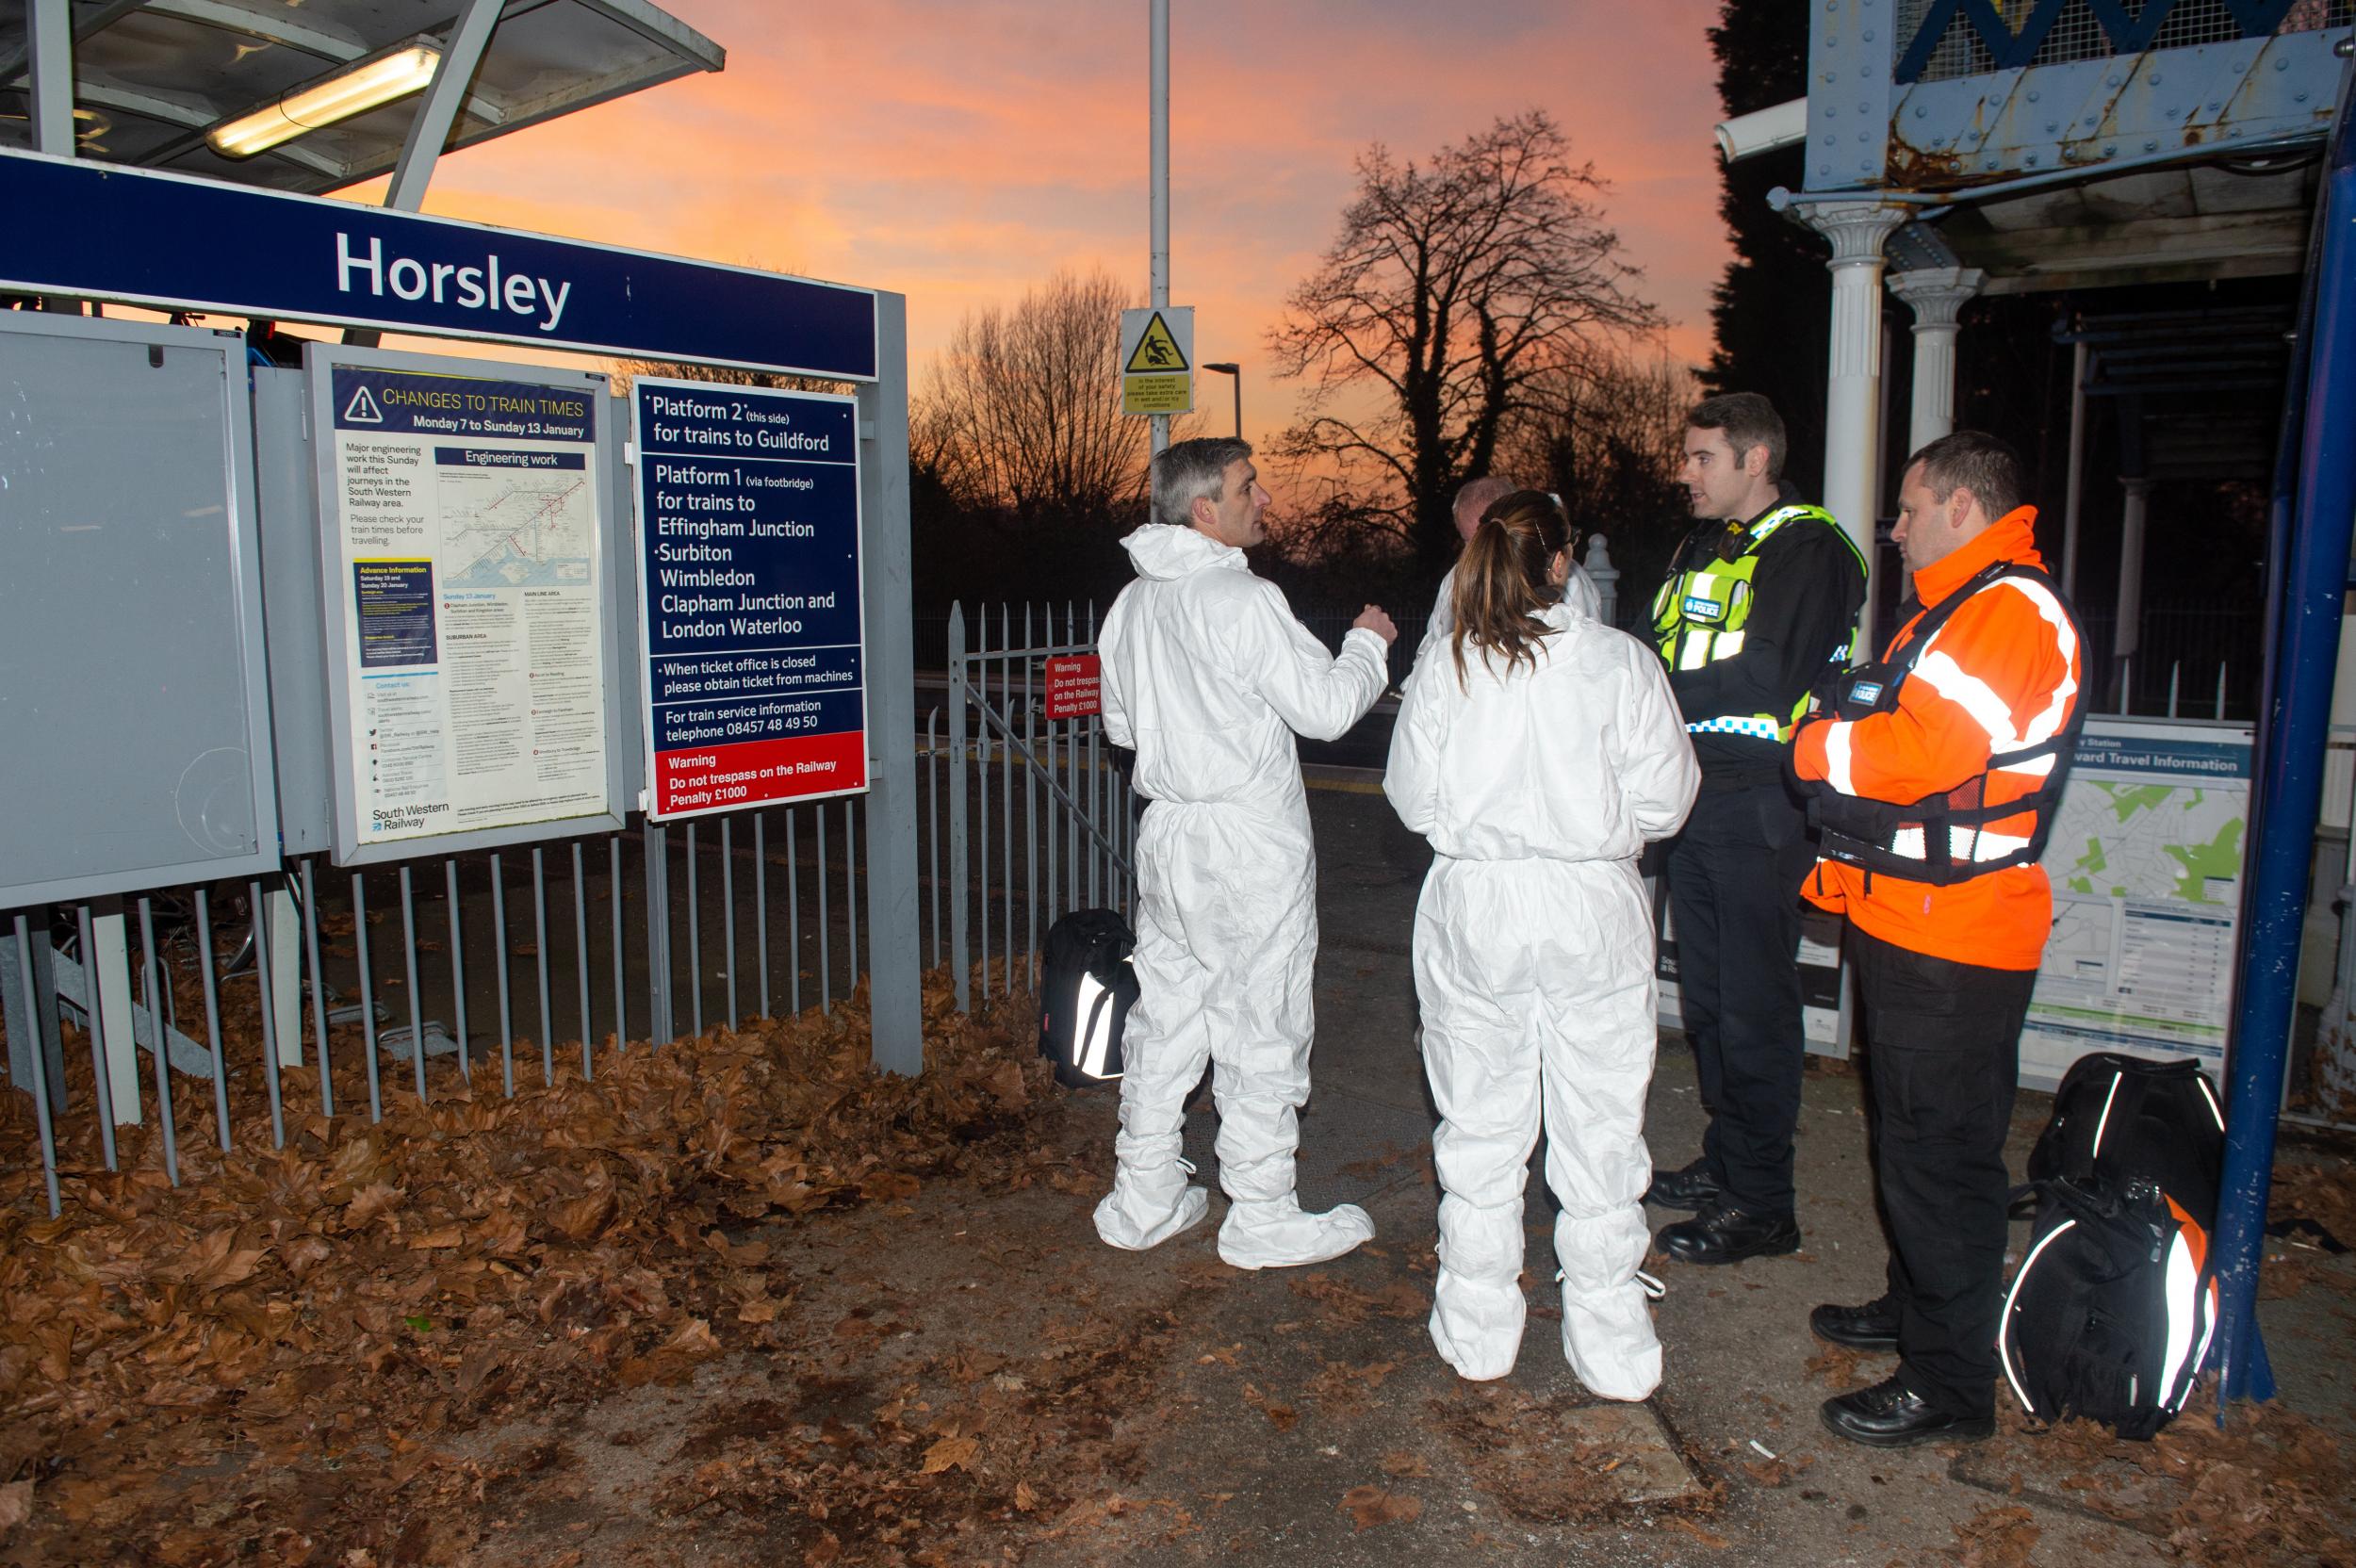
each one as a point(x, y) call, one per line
point(176, 242)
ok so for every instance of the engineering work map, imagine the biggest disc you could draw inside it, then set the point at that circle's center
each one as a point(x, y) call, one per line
point(464, 561)
point(2145, 859)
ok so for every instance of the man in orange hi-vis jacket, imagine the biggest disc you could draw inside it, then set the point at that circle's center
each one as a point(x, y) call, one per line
point(1933, 781)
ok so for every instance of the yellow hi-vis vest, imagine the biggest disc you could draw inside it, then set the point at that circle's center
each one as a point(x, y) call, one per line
point(1699, 615)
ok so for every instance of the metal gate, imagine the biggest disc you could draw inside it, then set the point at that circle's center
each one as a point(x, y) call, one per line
point(1042, 818)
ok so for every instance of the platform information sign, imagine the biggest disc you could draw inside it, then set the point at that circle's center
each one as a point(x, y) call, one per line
point(750, 621)
point(464, 565)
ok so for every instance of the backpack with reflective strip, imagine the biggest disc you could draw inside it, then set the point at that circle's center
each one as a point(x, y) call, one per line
point(1086, 987)
point(2110, 1313)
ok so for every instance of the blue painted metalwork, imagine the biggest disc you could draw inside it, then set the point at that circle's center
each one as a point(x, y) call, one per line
point(2295, 715)
point(2129, 34)
point(1881, 119)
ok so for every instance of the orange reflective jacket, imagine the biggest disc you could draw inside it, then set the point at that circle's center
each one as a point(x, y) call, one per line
point(2005, 671)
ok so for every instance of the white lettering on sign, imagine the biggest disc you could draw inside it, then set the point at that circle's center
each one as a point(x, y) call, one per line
point(446, 283)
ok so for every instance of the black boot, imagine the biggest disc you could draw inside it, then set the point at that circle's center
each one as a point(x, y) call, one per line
point(1871, 1327)
point(1723, 1234)
point(1693, 1187)
point(1892, 1416)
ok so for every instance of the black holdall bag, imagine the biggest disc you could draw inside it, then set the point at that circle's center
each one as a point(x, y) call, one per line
point(2110, 1314)
point(1086, 988)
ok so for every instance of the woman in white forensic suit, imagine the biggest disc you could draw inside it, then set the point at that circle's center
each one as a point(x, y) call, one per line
point(1539, 751)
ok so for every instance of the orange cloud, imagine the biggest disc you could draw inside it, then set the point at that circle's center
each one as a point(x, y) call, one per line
point(960, 152)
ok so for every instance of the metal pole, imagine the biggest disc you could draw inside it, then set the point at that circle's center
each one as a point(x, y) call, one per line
point(895, 963)
point(1160, 24)
point(2074, 501)
point(960, 874)
point(2297, 702)
point(49, 28)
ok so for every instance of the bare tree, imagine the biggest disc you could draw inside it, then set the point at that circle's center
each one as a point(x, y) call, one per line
point(1021, 412)
point(1607, 438)
point(1456, 290)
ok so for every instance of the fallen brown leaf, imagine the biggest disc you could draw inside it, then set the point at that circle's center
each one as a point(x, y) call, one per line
point(1369, 1505)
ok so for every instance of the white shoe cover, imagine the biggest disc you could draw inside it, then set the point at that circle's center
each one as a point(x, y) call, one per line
point(1144, 1212)
point(1609, 1340)
point(1278, 1234)
point(1476, 1327)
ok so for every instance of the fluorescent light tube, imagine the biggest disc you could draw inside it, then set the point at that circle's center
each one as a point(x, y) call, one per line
point(371, 84)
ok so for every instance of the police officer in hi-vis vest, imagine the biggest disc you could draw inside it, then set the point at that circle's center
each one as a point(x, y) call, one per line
point(1760, 606)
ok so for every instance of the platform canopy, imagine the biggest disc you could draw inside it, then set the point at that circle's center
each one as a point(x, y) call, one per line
point(152, 77)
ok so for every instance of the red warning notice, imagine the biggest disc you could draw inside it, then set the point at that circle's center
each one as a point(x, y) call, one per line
point(750, 773)
point(1072, 687)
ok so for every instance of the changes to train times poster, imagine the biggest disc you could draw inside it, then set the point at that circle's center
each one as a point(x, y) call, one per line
point(464, 563)
point(755, 677)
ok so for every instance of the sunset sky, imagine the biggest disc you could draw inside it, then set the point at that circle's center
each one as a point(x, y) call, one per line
point(959, 153)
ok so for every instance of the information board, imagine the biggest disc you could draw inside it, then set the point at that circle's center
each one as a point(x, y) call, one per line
point(465, 527)
point(135, 722)
point(749, 612)
point(2145, 859)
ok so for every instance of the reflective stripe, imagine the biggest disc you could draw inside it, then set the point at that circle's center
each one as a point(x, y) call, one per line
point(1837, 745)
point(1729, 643)
point(2034, 767)
point(2004, 1334)
point(1907, 844)
point(2047, 723)
point(1694, 652)
point(1766, 730)
point(1971, 693)
point(1977, 845)
point(2182, 1297)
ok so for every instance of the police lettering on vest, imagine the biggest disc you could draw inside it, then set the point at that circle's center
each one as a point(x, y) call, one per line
point(1699, 615)
point(1948, 838)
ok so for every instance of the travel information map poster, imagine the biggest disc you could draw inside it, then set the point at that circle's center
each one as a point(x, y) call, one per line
point(462, 562)
point(2145, 859)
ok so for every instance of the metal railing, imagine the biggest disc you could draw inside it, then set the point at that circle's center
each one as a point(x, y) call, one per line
point(301, 976)
point(1040, 819)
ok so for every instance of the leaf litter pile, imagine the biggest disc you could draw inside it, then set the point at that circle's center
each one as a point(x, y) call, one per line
point(265, 1362)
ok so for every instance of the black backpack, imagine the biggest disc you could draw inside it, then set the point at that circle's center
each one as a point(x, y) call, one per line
point(1085, 992)
point(2122, 1118)
point(2110, 1314)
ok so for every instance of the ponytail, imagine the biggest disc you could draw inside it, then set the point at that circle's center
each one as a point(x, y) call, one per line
point(1501, 581)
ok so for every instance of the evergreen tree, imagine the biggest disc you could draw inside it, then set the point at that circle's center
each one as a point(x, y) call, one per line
point(1772, 310)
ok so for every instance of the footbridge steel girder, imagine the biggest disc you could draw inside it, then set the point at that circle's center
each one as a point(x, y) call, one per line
point(1937, 95)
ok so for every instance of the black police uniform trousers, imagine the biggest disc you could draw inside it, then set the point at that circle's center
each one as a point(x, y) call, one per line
point(1734, 897)
point(1943, 1053)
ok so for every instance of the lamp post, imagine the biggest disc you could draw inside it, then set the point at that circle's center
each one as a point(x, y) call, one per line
point(1235, 370)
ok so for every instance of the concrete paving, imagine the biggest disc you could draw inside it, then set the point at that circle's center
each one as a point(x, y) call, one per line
point(1727, 1464)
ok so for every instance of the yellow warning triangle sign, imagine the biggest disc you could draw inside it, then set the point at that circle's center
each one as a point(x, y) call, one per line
point(1157, 350)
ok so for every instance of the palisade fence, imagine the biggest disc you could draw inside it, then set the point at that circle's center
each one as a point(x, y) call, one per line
point(236, 1000)
point(1039, 820)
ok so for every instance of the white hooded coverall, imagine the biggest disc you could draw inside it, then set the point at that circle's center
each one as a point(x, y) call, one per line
point(1207, 675)
point(1534, 974)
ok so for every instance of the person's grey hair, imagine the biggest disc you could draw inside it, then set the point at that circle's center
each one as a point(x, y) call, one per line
point(1476, 496)
point(1976, 460)
point(1190, 471)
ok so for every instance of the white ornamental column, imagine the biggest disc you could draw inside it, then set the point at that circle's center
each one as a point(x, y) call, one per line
point(1938, 295)
point(1853, 396)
